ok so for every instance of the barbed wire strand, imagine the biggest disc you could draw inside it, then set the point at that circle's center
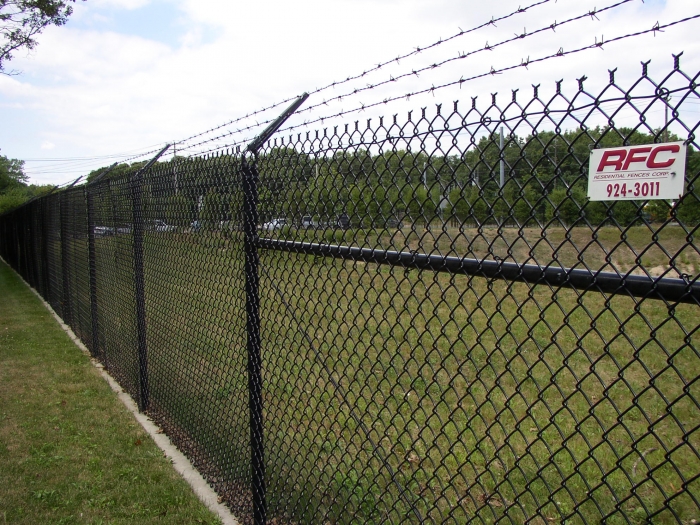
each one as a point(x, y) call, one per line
point(553, 26)
point(462, 80)
point(420, 49)
point(415, 72)
point(397, 59)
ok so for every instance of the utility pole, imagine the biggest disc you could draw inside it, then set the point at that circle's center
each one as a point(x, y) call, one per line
point(667, 98)
point(556, 163)
point(502, 180)
point(177, 188)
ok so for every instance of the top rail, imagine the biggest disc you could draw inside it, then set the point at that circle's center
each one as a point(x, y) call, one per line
point(665, 288)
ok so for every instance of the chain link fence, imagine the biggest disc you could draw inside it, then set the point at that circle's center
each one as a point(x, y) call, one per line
point(406, 319)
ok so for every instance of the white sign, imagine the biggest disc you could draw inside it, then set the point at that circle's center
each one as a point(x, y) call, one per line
point(652, 171)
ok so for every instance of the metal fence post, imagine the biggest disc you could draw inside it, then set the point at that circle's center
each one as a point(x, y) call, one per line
point(92, 262)
point(250, 221)
point(137, 228)
point(44, 215)
point(252, 283)
point(140, 288)
point(65, 288)
point(92, 268)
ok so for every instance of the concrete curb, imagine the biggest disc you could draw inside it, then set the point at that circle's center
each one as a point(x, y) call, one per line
point(182, 465)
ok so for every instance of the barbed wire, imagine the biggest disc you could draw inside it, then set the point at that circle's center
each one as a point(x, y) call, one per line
point(147, 153)
point(553, 26)
point(491, 22)
point(238, 119)
point(334, 84)
point(415, 72)
point(523, 63)
point(229, 133)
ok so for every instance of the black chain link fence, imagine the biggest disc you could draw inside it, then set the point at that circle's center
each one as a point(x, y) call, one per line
point(407, 319)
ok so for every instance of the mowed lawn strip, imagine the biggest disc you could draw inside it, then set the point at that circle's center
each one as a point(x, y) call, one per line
point(69, 450)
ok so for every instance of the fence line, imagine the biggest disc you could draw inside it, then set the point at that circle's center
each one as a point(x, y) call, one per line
point(414, 321)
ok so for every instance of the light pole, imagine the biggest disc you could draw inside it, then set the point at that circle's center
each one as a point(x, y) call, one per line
point(667, 98)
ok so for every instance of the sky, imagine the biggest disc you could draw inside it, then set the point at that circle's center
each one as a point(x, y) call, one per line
point(125, 77)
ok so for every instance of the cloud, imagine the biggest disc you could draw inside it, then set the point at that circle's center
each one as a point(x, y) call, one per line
point(119, 4)
point(92, 91)
point(47, 145)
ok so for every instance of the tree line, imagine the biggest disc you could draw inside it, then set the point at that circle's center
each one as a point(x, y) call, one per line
point(14, 187)
point(545, 179)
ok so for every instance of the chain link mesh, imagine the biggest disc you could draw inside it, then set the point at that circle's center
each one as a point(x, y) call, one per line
point(407, 319)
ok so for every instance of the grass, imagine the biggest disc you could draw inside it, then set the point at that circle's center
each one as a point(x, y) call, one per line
point(391, 394)
point(486, 399)
point(70, 453)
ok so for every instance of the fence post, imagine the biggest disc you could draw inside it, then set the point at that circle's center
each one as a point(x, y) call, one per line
point(92, 262)
point(92, 268)
point(137, 228)
point(44, 253)
point(65, 288)
point(44, 202)
point(252, 304)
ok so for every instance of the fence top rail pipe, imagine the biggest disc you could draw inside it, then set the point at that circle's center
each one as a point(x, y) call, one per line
point(642, 286)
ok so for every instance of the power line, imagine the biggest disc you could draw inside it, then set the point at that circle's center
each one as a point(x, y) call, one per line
point(59, 163)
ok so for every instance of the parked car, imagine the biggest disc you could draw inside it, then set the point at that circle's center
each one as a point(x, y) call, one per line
point(343, 221)
point(230, 226)
point(160, 226)
point(123, 230)
point(308, 222)
point(274, 224)
point(196, 226)
point(103, 231)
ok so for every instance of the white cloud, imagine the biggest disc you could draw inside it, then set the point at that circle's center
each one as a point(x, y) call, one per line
point(47, 145)
point(120, 4)
point(99, 92)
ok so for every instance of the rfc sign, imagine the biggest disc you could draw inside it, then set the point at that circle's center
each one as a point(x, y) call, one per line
point(653, 171)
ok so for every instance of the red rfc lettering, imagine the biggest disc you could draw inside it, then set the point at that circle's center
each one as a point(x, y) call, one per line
point(631, 157)
point(608, 160)
point(673, 148)
point(620, 159)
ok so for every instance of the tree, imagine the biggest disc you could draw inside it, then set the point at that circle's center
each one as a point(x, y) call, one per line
point(11, 173)
point(14, 190)
point(22, 20)
point(212, 211)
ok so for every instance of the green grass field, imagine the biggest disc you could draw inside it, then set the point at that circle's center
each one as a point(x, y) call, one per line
point(403, 395)
point(70, 453)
